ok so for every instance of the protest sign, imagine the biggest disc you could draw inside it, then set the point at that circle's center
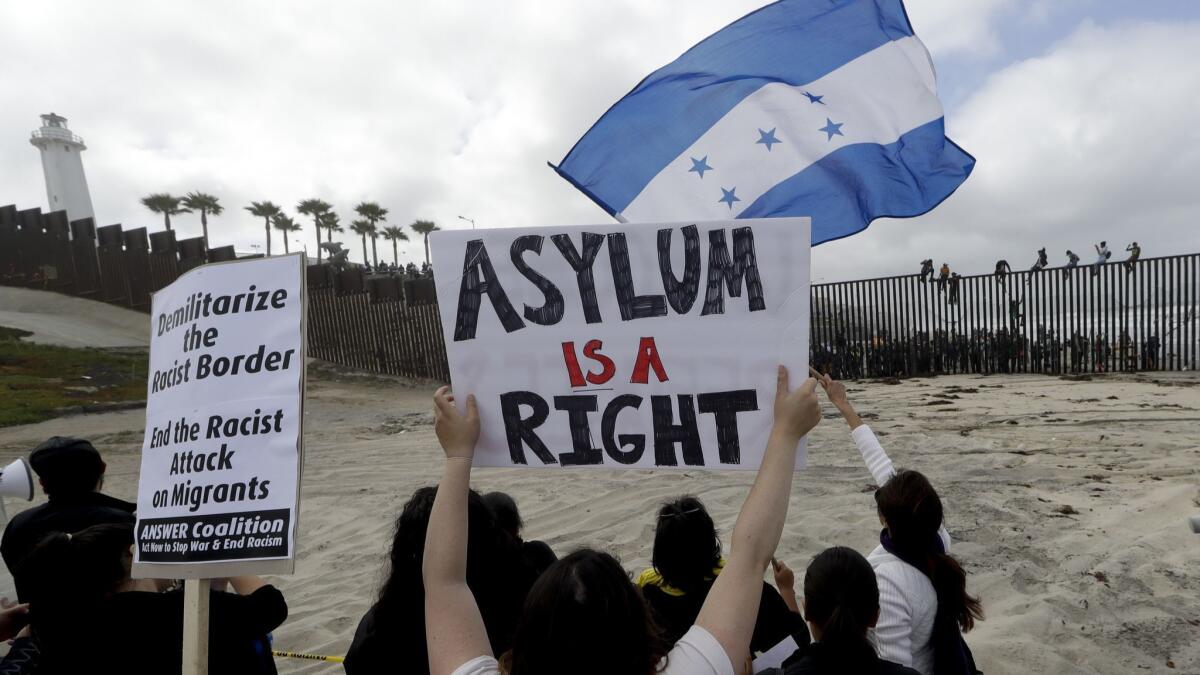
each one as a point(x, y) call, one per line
point(219, 488)
point(628, 345)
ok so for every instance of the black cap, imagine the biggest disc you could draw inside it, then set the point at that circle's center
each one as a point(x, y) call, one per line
point(67, 464)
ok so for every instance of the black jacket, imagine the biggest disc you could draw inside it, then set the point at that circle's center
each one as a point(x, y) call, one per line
point(61, 514)
point(675, 614)
point(818, 659)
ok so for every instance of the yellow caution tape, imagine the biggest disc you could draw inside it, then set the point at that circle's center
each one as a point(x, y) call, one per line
point(311, 657)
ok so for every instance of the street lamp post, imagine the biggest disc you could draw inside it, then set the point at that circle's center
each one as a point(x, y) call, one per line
point(469, 220)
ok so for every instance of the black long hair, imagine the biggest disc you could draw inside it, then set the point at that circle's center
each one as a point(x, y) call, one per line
point(913, 513)
point(841, 597)
point(495, 572)
point(585, 611)
point(68, 578)
point(686, 545)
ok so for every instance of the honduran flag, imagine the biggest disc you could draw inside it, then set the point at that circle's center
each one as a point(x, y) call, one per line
point(821, 108)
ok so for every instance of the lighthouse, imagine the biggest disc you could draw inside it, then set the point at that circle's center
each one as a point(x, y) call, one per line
point(62, 163)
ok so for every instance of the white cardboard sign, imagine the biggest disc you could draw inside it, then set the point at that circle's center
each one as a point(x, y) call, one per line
point(628, 345)
point(219, 487)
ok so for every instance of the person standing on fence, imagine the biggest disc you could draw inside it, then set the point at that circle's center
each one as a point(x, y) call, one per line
point(943, 277)
point(926, 269)
point(1135, 252)
point(1072, 263)
point(1102, 256)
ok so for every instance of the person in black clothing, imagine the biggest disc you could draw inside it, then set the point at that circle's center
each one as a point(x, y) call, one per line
point(1042, 261)
point(391, 636)
point(841, 603)
point(686, 561)
point(538, 555)
point(1002, 269)
point(87, 614)
point(71, 473)
point(955, 280)
point(926, 270)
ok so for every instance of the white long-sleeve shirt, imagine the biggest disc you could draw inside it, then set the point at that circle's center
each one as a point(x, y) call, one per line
point(907, 600)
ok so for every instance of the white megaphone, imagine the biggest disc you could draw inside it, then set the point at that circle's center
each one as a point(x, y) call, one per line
point(16, 480)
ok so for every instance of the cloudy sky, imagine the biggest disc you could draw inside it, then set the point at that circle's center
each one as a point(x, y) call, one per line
point(1082, 114)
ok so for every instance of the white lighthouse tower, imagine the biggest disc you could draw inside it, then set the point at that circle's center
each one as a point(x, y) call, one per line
point(62, 162)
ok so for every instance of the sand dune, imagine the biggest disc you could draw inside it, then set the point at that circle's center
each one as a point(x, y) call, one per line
point(1067, 502)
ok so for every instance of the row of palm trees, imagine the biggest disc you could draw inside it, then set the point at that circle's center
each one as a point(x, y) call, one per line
point(370, 221)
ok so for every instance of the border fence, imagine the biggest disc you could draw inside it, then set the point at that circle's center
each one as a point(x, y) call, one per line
point(1117, 316)
point(1093, 319)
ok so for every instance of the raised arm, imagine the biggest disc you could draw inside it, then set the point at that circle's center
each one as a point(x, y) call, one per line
point(730, 610)
point(877, 461)
point(453, 625)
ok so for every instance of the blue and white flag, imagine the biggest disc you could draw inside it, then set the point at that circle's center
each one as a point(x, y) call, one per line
point(821, 108)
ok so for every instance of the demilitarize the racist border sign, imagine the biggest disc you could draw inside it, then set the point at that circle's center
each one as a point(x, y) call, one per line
point(632, 345)
point(221, 461)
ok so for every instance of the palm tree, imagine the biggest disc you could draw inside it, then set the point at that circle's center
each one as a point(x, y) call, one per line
point(362, 228)
point(161, 202)
point(394, 233)
point(374, 238)
point(266, 211)
point(424, 227)
point(332, 223)
point(315, 208)
point(205, 204)
point(285, 224)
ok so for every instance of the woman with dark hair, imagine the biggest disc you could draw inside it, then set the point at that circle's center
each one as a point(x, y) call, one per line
point(841, 603)
point(83, 604)
point(686, 561)
point(924, 604)
point(584, 616)
point(538, 555)
point(395, 624)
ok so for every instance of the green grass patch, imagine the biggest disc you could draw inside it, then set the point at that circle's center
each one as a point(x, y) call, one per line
point(37, 382)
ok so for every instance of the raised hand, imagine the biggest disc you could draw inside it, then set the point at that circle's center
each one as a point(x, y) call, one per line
point(784, 577)
point(456, 431)
point(796, 411)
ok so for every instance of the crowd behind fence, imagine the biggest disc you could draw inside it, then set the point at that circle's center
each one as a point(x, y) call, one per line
point(1113, 317)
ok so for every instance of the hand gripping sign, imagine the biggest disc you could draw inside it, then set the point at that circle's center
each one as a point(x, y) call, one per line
point(628, 345)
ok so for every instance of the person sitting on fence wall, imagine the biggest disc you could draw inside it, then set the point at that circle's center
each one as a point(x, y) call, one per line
point(926, 270)
point(391, 635)
point(1002, 270)
point(1072, 263)
point(71, 473)
point(85, 606)
point(1135, 252)
point(1102, 256)
point(1042, 261)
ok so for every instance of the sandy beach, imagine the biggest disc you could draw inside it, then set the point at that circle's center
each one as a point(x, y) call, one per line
point(1067, 502)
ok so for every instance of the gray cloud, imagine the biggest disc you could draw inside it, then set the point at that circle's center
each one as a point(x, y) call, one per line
point(1094, 140)
point(443, 109)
